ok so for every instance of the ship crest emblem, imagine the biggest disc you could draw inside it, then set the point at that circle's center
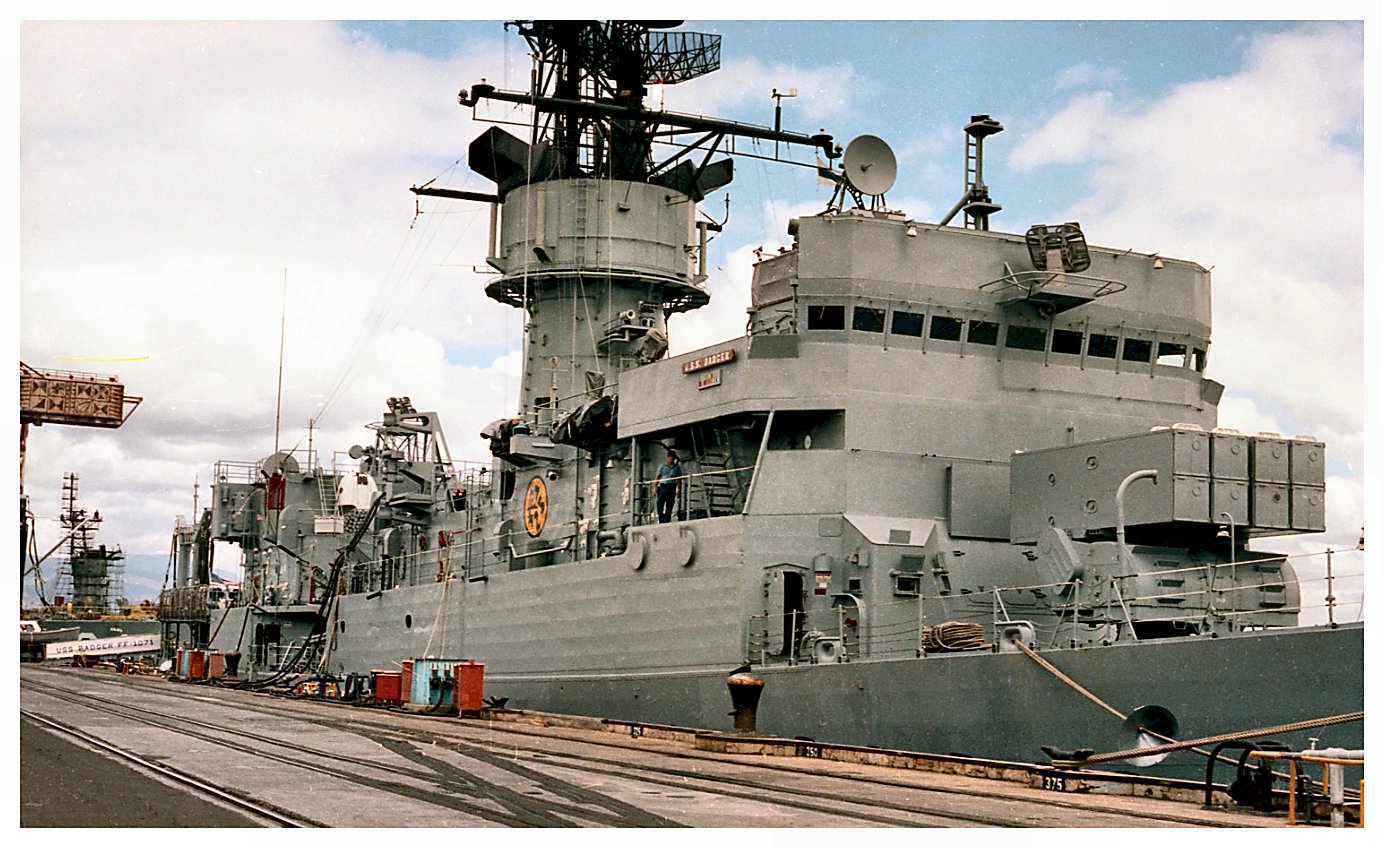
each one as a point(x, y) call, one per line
point(535, 506)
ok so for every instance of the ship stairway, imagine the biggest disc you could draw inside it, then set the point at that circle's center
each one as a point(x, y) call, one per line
point(717, 489)
point(326, 493)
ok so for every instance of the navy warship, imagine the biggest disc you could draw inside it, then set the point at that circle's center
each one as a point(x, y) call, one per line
point(951, 489)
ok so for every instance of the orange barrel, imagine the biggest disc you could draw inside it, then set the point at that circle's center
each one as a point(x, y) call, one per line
point(216, 665)
point(469, 686)
point(179, 669)
point(406, 681)
point(197, 665)
point(387, 686)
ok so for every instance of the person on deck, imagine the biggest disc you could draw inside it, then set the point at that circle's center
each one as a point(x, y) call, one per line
point(667, 482)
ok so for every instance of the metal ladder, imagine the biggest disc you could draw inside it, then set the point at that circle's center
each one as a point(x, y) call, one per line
point(326, 493)
point(718, 490)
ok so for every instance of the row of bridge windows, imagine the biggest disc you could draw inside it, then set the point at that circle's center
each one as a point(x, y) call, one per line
point(977, 331)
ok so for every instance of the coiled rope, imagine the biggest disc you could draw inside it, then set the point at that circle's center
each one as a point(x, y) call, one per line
point(954, 636)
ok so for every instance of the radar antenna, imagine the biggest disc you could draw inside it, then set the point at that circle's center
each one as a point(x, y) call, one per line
point(868, 168)
point(975, 199)
point(589, 84)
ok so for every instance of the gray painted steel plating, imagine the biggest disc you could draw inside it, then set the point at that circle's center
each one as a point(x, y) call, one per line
point(848, 483)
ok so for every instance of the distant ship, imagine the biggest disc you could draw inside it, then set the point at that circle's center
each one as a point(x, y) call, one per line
point(955, 490)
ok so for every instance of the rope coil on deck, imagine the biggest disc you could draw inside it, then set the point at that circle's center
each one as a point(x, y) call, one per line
point(954, 636)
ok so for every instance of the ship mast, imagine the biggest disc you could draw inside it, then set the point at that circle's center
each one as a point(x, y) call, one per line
point(597, 236)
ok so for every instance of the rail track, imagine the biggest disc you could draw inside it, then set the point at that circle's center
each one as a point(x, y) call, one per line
point(260, 812)
point(510, 775)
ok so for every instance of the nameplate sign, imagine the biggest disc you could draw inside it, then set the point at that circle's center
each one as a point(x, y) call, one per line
point(115, 645)
point(711, 360)
point(709, 379)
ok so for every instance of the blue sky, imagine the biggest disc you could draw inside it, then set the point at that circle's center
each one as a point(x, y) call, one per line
point(170, 173)
point(909, 77)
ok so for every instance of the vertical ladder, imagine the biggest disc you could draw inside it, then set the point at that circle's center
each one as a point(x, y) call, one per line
point(326, 493)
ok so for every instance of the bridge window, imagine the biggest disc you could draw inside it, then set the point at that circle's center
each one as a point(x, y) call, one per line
point(1101, 345)
point(984, 332)
point(907, 324)
point(1137, 350)
point(945, 329)
point(1198, 359)
point(1066, 341)
point(1171, 353)
point(826, 317)
point(1025, 338)
point(868, 319)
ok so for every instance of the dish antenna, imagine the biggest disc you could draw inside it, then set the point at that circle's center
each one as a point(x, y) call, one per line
point(868, 168)
point(870, 165)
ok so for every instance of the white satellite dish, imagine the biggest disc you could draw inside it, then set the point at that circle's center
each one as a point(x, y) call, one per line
point(870, 165)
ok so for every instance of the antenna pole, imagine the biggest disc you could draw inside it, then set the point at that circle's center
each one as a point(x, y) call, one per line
point(279, 402)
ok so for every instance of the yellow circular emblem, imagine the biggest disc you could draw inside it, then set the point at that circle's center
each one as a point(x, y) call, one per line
point(535, 506)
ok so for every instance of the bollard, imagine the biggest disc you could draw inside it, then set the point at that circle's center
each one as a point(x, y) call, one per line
point(745, 688)
point(1336, 793)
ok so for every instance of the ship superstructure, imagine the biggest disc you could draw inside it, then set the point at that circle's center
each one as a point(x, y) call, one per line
point(938, 450)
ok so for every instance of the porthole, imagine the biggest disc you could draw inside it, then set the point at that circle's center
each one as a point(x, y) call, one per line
point(408, 621)
point(342, 625)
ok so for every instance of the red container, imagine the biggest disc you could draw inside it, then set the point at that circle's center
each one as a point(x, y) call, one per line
point(388, 686)
point(406, 681)
point(178, 663)
point(216, 665)
point(468, 688)
point(197, 665)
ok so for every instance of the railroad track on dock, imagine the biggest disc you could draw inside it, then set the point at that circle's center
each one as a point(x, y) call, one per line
point(428, 779)
point(577, 761)
point(260, 812)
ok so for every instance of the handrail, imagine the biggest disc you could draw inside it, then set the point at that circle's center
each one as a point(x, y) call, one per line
point(1032, 281)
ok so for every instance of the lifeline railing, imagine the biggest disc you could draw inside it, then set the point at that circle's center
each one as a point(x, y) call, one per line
point(457, 557)
point(681, 509)
point(1333, 762)
point(883, 631)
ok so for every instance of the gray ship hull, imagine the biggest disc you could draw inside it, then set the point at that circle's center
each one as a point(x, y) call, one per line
point(1004, 706)
point(647, 636)
point(934, 450)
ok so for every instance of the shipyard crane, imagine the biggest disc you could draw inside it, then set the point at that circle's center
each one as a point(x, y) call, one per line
point(62, 397)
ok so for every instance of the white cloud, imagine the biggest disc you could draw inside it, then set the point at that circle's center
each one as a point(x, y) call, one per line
point(1247, 173)
point(170, 174)
point(1087, 75)
point(825, 90)
point(729, 283)
point(1074, 135)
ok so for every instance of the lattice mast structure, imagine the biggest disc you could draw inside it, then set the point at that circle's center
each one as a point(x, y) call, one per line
point(93, 575)
point(594, 226)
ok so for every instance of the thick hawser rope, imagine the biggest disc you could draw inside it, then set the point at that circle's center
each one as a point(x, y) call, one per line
point(1213, 740)
point(1174, 745)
